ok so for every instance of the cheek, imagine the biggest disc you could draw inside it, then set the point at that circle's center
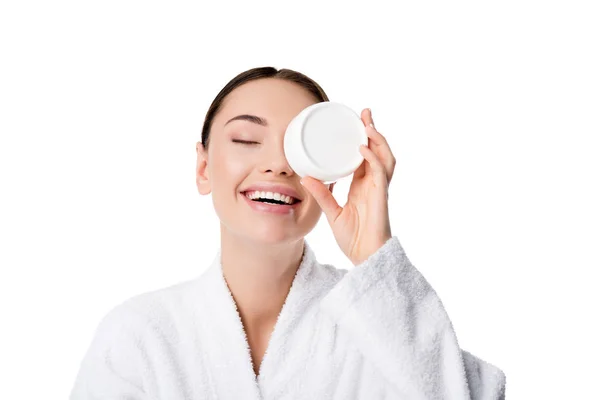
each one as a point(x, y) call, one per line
point(230, 170)
point(228, 174)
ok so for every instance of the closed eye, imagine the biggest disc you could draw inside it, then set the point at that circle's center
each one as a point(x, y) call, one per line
point(243, 141)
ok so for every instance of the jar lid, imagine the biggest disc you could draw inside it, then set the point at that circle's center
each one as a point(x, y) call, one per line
point(323, 141)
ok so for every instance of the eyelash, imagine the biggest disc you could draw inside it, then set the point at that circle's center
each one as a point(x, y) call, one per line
point(243, 141)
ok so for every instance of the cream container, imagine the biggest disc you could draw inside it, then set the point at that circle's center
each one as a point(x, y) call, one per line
point(323, 142)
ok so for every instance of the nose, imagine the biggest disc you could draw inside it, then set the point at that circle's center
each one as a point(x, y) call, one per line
point(274, 160)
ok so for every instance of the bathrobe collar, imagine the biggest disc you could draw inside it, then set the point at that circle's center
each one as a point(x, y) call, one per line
point(226, 341)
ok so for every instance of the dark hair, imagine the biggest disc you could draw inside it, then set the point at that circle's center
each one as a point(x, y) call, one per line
point(253, 74)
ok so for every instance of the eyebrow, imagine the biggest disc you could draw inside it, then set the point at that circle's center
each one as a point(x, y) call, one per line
point(250, 118)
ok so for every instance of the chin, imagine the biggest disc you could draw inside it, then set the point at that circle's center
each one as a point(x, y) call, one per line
point(268, 238)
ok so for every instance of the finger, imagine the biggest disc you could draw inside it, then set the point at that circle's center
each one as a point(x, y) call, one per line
point(376, 137)
point(374, 162)
point(323, 196)
point(360, 171)
point(367, 117)
point(382, 149)
point(378, 143)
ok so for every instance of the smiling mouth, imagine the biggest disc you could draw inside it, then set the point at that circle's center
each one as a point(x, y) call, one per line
point(272, 201)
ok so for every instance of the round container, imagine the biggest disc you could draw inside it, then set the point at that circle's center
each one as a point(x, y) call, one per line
point(323, 141)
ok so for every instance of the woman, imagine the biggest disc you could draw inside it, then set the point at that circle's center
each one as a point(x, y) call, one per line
point(267, 320)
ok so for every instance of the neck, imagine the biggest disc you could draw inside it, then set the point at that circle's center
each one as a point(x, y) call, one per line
point(259, 275)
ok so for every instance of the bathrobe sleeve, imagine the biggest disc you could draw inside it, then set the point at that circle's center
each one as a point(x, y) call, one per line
point(111, 367)
point(399, 324)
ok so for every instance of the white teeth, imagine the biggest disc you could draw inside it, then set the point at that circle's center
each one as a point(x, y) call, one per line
point(269, 195)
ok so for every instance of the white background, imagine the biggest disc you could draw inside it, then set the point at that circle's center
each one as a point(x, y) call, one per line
point(492, 111)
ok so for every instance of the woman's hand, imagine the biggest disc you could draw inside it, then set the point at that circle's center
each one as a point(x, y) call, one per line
point(362, 226)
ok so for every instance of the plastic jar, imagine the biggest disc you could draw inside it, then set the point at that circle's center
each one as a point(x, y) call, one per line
point(323, 141)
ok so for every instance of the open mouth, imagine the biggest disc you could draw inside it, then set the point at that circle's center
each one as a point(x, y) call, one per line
point(291, 202)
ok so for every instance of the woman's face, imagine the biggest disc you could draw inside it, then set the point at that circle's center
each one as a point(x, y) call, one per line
point(229, 168)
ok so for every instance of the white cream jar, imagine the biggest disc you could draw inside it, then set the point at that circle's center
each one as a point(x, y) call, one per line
point(323, 141)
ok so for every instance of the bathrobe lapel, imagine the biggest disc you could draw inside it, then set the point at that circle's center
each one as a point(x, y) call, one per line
point(226, 343)
point(223, 342)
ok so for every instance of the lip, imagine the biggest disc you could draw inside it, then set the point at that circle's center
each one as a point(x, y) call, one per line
point(271, 208)
point(272, 187)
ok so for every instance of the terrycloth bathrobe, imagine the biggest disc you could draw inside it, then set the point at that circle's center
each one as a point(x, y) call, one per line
point(376, 331)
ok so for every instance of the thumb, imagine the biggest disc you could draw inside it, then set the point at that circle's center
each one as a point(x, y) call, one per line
point(323, 197)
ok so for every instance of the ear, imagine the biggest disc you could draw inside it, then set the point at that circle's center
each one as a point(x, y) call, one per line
point(202, 178)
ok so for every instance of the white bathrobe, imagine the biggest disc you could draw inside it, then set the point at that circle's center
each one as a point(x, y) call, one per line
point(377, 331)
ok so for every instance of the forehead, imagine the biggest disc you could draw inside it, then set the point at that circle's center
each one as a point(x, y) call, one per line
point(276, 100)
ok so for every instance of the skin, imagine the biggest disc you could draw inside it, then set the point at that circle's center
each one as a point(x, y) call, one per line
point(261, 252)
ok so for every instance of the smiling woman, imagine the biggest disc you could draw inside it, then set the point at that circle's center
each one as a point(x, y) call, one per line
point(267, 320)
